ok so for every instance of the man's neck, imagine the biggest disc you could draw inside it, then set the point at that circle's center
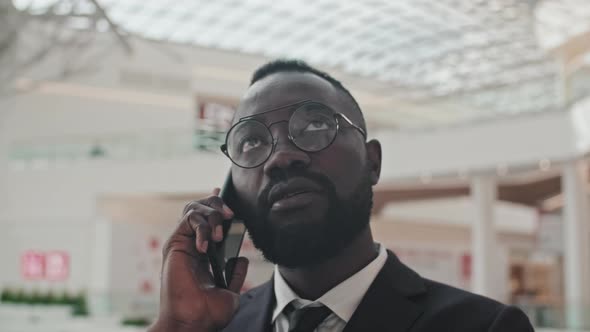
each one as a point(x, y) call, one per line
point(312, 282)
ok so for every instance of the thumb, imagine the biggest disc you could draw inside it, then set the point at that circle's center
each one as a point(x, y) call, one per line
point(235, 271)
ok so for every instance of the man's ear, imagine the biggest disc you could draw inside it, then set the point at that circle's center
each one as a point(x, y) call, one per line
point(374, 158)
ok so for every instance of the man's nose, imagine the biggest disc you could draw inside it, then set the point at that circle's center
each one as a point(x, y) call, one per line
point(285, 155)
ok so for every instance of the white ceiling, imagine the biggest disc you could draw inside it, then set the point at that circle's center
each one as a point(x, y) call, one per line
point(488, 57)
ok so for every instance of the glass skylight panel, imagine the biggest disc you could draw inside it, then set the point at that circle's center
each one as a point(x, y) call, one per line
point(424, 49)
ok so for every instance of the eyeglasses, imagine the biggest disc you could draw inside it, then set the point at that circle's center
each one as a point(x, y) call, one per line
point(312, 128)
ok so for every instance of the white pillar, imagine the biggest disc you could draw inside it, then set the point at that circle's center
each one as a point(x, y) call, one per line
point(576, 248)
point(563, 84)
point(483, 193)
point(100, 286)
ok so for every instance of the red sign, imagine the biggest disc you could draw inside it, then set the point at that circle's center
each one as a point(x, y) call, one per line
point(57, 265)
point(215, 116)
point(33, 265)
point(466, 266)
point(53, 265)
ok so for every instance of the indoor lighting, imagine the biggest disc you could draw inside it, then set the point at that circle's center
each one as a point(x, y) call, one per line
point(463, 174)
point(553, 203)
point(545, 165)
point(426, 178)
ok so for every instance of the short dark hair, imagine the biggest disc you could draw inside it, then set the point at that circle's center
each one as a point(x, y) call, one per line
point(300, 66)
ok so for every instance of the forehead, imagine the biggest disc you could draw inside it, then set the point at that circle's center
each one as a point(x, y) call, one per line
point(281, 89)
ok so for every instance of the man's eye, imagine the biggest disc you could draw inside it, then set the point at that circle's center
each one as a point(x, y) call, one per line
point(317, 125)
point(250, 143)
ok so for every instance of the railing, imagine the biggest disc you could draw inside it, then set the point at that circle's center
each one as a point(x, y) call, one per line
point(155, 145)
point(31, 318)
point(545, 316)
point(555, 317)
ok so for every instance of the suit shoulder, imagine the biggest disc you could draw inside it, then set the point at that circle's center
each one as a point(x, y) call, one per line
point(254, 310)
point(460, 310)
point(443, 295)
point(256, 291)
point(252, 291)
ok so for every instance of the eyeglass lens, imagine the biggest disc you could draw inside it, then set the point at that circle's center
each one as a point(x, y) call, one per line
point(312, 127)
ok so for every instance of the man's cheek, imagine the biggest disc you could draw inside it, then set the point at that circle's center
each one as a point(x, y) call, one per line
point(247, 184)
point(343, 167)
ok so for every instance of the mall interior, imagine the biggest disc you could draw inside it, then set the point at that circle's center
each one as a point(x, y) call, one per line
point(112, 114)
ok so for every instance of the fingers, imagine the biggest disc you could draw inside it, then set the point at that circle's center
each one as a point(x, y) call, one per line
point(214, 202)
point(206, 224)
point(202, 230)
point(180, 239)
point(219, 203)
point(195, 230)
point(205, 218)
point(237, 269)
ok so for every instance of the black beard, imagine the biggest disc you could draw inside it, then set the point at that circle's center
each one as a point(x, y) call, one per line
point(307, 244)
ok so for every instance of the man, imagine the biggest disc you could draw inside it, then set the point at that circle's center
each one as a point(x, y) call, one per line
point(303, 172)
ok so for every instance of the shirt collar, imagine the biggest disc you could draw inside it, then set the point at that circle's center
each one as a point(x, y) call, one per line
point(343, 299)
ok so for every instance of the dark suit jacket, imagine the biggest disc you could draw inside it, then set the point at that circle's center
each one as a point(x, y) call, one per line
point(399, 300)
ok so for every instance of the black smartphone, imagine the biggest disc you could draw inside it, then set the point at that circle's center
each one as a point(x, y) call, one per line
point(233, 235)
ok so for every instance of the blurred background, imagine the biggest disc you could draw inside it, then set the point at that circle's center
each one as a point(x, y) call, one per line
point(112, 113)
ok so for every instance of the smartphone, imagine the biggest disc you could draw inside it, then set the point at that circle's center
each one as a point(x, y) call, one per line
point(233, 235)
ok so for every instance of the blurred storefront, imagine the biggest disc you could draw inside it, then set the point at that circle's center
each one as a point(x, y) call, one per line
point(111, 114)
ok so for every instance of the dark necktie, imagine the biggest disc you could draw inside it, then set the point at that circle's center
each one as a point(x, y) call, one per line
point(308, 319)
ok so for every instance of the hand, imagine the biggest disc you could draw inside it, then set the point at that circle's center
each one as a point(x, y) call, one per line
point(189, 300)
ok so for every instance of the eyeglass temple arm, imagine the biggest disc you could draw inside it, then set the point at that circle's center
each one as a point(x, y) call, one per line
point(361, 130)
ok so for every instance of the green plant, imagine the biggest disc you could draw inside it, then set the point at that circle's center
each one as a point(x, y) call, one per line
point(49, 298)
point(79, 306)
point(64, 298)
point(34, 298)
point(7, 295)
point(135, 321)
point(20, 296)
point(44, 298)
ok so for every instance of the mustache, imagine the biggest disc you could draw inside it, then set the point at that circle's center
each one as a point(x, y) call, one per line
point(320, 179)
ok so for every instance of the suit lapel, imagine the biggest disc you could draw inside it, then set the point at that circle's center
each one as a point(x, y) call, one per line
point(255, 310)
point(387, 303)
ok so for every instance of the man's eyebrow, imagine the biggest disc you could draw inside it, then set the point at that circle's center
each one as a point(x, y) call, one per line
point(273, 109)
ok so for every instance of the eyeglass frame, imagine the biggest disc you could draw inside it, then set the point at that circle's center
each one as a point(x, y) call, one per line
point(275, 140)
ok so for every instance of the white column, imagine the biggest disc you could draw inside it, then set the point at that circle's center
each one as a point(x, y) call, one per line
point(483, 193)
point(100, 286)
point(576, 248)
point(563, 84)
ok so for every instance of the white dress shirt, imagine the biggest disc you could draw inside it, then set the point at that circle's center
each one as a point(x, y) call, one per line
point(343, 299)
